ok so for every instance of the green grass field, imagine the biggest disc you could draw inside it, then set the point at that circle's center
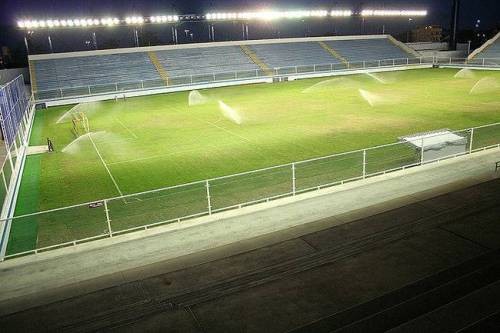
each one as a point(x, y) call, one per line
point(145, 143)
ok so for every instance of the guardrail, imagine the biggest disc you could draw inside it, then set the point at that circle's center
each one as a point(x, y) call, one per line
point(187, 80)
point(17, 115)
point(118, 87)
point(72, 225)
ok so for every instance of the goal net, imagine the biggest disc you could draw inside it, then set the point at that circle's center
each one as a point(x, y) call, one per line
point(80, 124)
point(439, 144)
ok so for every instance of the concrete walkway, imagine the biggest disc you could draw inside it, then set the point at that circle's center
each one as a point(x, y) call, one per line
point(51, 270)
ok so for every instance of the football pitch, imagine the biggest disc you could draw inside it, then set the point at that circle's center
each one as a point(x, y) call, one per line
point(146, 143)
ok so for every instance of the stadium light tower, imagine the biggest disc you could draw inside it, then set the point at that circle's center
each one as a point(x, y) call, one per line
point(454, 25)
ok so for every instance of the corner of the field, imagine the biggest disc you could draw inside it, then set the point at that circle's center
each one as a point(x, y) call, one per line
point(245, 211)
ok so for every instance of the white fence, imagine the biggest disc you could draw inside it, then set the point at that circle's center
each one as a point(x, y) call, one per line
point(118, 87)
point(16, 117)
point(140, 211)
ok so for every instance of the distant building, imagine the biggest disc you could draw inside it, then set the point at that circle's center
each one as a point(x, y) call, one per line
point(5, 56)
point(428, 33)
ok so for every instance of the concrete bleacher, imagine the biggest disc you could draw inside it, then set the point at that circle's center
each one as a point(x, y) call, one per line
point(368, 49)
point(293, 54)
point(96, 70)
point(169, 65)
point(490, 52)
point(208, 60)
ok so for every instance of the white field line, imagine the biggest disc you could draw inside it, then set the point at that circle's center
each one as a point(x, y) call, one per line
point(125, 127)
point(180, 152)
point(105, 166)
point(225, 130)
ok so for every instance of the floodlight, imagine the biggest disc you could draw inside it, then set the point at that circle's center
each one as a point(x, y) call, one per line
point(341, 13)
point(392, 12)
point(134, 20)
point(163, 19)
point(266, 15)
point(108, 21)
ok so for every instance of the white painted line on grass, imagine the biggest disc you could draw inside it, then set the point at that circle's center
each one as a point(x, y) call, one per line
point(105, 165)
point(125, 127)
point(180, 152)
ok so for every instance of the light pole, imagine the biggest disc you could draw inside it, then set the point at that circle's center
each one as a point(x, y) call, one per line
point(409, 30)
point(50, 44)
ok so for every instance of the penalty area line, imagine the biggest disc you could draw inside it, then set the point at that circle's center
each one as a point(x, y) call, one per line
point(125, 127)
point(105, 166)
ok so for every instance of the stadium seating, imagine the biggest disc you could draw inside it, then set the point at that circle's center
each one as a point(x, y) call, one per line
point(368, 49)
point(491, 53)
point(293, 54)
point(159, 66)
point(199, 61)
point(95, 70)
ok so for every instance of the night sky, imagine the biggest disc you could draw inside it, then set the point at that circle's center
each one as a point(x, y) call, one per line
point(10, 10)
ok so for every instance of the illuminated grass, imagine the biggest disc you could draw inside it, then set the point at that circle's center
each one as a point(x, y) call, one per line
point(157, 141)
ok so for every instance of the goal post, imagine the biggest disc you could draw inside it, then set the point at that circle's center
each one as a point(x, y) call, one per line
point(80, 124)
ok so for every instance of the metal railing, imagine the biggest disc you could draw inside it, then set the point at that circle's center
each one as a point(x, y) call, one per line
point(109, 217)
point(187, 80)
point(17, 116)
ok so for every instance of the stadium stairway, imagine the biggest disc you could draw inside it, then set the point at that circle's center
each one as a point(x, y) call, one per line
point(159, 67)
point(334, 53)
point(256, 60)
point(31, 65)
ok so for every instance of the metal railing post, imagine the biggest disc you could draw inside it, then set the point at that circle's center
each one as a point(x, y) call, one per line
point(108, 220)
point(294, 187)
point(5, 182)
point(471, 139)
point(364, 163)
point(209, 200)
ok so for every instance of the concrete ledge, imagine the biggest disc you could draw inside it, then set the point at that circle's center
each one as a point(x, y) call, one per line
point(66, 266)
point(293, 77)
point(150, 91)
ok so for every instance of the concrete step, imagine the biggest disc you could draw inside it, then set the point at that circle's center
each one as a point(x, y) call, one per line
point(414, 300)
